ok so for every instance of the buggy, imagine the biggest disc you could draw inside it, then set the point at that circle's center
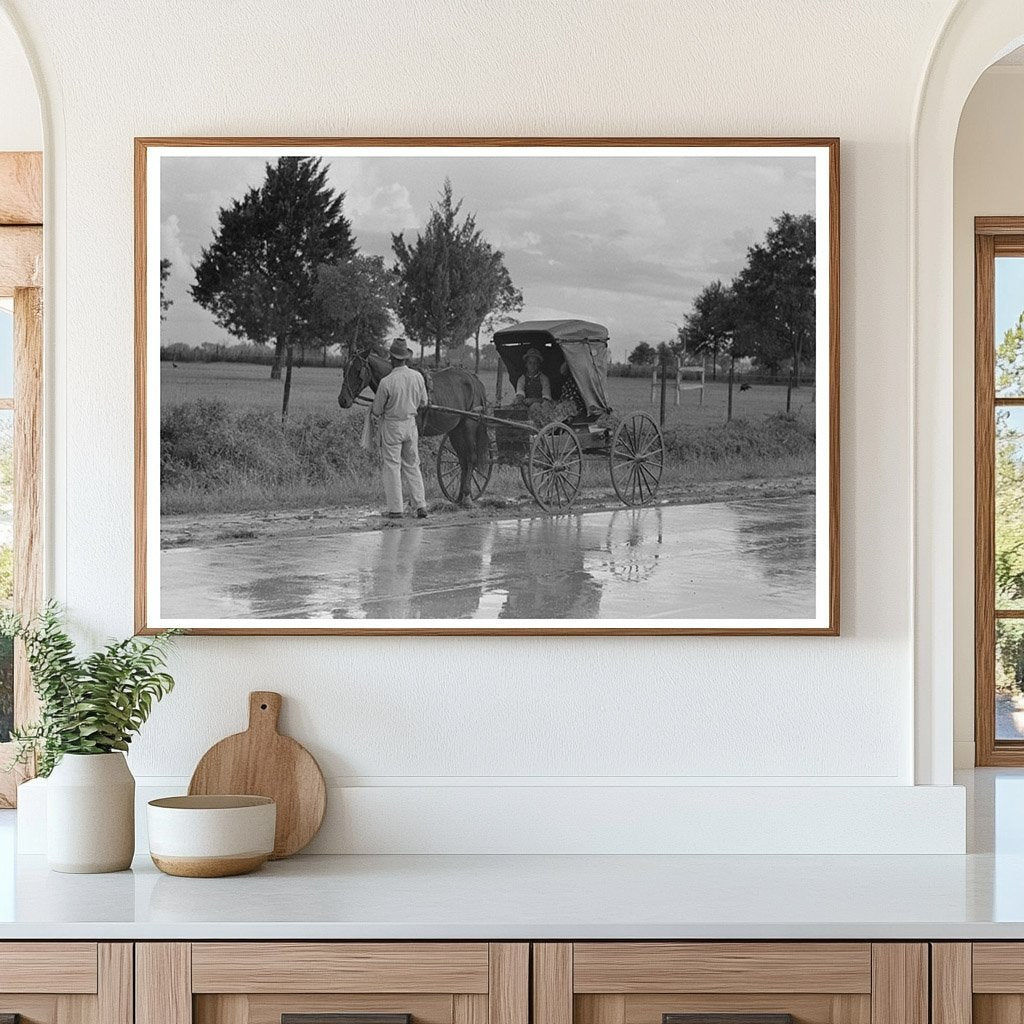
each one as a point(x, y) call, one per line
point(550, 456)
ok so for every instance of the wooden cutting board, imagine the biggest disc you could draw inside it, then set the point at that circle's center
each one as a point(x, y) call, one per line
point(262, 762)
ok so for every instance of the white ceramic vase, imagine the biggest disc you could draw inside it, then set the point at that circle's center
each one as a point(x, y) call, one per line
point(90, 814)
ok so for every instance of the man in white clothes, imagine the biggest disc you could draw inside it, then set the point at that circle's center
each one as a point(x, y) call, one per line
point(400, 396)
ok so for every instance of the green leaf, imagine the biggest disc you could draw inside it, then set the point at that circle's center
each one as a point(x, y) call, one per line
point(90, 705)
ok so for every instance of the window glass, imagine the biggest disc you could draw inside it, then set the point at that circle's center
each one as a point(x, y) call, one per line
point(6, 353)
point(1009, 511)
point(1008, 411)
point(1009, 679)
point(1009, 327)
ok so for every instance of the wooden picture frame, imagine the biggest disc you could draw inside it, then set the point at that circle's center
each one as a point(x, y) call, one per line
point(825, 619)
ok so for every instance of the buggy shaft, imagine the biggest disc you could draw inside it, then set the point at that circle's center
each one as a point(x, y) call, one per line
point(479, 414)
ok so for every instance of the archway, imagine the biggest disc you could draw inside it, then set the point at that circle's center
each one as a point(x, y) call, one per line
point(975, 35)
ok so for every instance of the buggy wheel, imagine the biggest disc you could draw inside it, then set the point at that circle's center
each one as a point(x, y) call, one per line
point(524, 472)
point(636, 459)
point(449, 472)
point(555, 467)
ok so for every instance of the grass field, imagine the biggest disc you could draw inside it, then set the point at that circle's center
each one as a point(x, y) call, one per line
point(224, 449)
point(315, 390)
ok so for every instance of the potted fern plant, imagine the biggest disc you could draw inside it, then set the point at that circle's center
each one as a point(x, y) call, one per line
point(90, 708)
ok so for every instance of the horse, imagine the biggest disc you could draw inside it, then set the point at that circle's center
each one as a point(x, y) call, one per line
point(451, 387)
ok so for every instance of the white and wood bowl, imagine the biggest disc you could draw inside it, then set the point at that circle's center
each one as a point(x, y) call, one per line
point(211, 836)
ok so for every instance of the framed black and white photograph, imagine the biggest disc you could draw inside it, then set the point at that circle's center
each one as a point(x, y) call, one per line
point(565, 386)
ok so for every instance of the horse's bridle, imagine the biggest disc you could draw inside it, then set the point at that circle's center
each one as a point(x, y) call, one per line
point(361, 360)
point(365, 380)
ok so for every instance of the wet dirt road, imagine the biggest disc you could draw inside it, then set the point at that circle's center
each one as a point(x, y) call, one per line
point(740, 559)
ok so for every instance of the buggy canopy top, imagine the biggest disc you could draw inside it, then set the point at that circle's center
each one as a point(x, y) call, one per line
point(580, 344)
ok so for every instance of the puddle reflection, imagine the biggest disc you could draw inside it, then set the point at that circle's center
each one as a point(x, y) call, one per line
point(746, 559)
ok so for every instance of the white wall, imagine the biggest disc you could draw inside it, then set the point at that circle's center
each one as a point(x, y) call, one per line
point(465, 712)
point(21, 127)
point(987, 181)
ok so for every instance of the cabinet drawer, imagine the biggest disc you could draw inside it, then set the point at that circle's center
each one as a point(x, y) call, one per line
point(730, 983)
point(332, 983)
point(981, 982)
point(634, 967)
point(340, 967)
point(998, 967)
point(66, 982)
point(65, 967)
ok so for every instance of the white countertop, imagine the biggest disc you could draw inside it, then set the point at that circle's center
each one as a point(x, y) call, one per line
point(977, 896)
point(516, 897)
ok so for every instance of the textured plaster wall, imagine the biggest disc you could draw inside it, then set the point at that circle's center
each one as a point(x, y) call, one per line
point(20, 124)
point(695, 710)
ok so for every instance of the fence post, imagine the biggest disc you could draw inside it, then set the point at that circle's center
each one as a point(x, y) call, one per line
point(679, 379)
point(664, 385)
point(654, 383)
point(703, 370)
point(732, 374)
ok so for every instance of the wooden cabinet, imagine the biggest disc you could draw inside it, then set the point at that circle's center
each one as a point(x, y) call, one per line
point(978, 983)
point(751, 982)
point(309, 982)
point(494, 983)
point(66, 982)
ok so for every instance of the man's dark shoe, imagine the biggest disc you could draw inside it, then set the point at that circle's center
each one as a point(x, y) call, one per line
point(421, 513)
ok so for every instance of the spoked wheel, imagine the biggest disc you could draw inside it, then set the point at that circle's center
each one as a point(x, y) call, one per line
point(555, 467)
point(449, 472)
point(524, 472)
point(636, 459)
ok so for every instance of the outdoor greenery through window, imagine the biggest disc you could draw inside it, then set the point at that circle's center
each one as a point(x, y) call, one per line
point(6, 516)
point(1009, 497)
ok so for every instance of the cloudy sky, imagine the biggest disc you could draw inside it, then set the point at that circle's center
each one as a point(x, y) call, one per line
point(625, 240)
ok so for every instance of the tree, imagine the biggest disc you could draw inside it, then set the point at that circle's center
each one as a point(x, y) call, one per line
point(1009, 472)
point(258, 276)
point(643, 355)
point(1010, 361)
point(1009, 499)
point(442, 276)
point(165, 273)
point(775, 295)
point(355, 299)
point(709, 327)
point(500, 300)
point(715, 327)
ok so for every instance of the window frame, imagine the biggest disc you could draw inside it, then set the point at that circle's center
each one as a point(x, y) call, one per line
point(993, 237)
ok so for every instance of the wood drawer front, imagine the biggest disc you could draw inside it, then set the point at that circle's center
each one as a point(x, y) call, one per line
point(998, 967)
point(721, 967)
point(52, 967)
point(318, 967)
point(67, 982)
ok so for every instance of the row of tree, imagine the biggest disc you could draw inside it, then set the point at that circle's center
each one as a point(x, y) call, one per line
point(283, 270)
point(766, 313)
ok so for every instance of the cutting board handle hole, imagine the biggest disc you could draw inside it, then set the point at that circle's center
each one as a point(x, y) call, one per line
point(263, 707)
